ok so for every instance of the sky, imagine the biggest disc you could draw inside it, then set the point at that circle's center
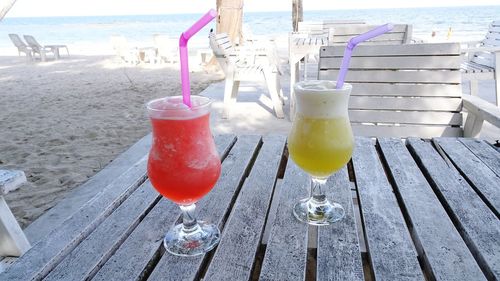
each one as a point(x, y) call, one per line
point(46, 8)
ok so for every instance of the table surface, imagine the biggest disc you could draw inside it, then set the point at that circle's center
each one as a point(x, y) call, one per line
point(415, 209)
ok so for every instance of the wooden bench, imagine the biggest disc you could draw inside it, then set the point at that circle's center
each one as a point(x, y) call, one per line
point(248, 65)
point(483, 60)
point(407, 90)
point(339, 35)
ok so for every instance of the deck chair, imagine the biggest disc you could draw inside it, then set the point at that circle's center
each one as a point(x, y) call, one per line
point(400, 34)
point(123, 51)
point(166, 48)
point(238, 68)
point(483, 60)
point(21, 46)
point(13, 242)
point(409, 90)
point(44, 50)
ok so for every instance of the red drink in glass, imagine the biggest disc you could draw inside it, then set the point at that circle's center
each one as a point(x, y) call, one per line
point(184, 166)
point(183, 163)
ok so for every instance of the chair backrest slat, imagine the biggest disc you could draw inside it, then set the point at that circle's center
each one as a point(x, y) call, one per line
point(400, 34)
point(32, 42)
point(492, 39)
point(401, 90)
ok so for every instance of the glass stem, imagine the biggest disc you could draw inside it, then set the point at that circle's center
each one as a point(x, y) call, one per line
point(317, 190)
point(189, 223)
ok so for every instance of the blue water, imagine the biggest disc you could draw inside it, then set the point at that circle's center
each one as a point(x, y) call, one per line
point(467, 23)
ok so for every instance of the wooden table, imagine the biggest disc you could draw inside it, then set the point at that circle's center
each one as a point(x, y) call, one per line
point(299, 48)
point(428, 208)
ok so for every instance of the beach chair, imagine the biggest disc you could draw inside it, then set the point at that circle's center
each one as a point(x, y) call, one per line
point(123, 51)
point(400, 34)
point(325, 27)
point(483, 60)
point(409, 90)
point(239, 67)
point(21, 46)
point(167, 49)
point(13, 242)
point(44, 50)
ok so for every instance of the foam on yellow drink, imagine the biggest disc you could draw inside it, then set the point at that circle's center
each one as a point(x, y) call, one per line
point(321, 141)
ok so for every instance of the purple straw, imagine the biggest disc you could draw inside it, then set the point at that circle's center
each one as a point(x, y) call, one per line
point(352, 43)
point(183, 40)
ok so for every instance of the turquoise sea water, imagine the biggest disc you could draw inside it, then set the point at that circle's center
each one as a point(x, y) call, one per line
point(467, 23)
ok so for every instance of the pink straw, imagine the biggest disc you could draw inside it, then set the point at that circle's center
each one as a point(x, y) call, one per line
point(183, 40)
point(352, 43)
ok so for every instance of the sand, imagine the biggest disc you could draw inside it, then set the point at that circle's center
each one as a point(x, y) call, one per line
point(62, 121)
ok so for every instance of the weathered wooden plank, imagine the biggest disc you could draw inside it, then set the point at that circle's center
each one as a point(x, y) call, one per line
point(100, 245)
point(482, 178)
point(143, 247)
point(339, 257)
point(444, 253)
point(485, 152)
point(405, 117)
point(391, 76)
point(394, 36)
point(476, 223)
point(406, 131)
point(236, 252)
point(361, 28)
point(286, 252)
point(452, 49)
point(224, 143)
point(406, 103)
point(391, 251)
point(81, 195)
point(407, 62)
point(48, 252)
point(407, 90)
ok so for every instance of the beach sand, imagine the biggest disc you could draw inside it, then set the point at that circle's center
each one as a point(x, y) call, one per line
point(62, 121)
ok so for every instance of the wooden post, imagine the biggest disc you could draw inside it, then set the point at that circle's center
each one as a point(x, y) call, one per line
point(297, 14)
point(229, 19)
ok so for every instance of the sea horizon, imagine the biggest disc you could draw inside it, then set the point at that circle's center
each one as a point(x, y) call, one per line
point(459, 23)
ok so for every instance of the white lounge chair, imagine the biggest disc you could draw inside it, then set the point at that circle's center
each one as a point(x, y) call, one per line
point(44, 50)
point(483, 60)
point(124, 51)
point(167, 49)
point(13, 242)
point(21, 46)
point(408, 90)
point(245, 67)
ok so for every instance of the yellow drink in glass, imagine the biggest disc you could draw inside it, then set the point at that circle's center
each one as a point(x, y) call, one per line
point(320, 146)
point(320, 143)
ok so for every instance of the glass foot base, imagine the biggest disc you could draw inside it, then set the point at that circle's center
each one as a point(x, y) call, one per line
point(313, 212)
point(203, 239)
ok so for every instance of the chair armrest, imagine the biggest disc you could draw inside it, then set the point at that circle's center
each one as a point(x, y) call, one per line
point(481, 49)
point(482, 109)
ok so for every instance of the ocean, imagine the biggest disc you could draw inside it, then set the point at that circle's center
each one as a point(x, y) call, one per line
point(466, 23)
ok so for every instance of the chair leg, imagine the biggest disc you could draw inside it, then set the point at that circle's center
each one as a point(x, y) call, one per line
point(473, 87)
point(497, 85)
point(14, 241)
point(230, 93)
point(273, 85)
